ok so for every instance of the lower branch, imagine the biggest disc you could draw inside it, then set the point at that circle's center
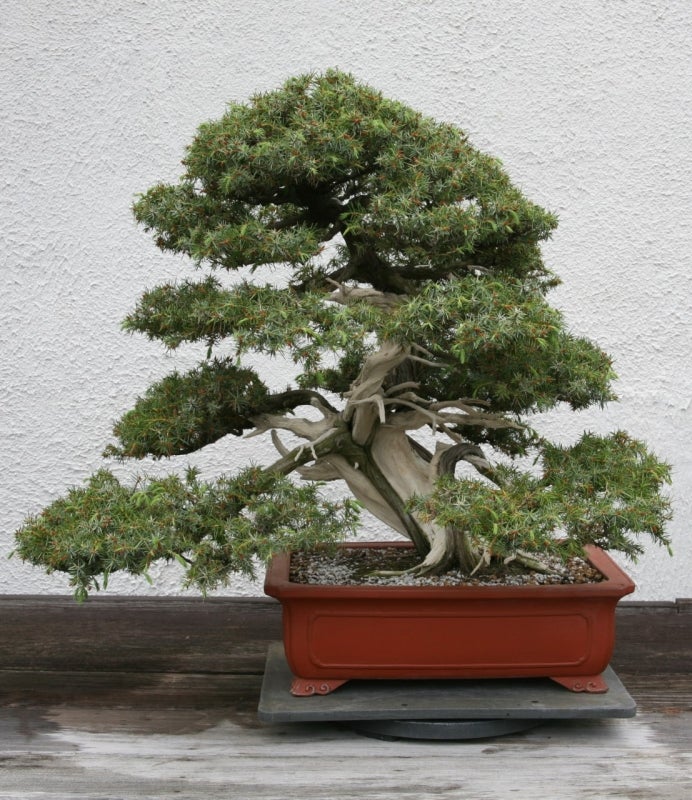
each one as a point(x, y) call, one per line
point(292, 460)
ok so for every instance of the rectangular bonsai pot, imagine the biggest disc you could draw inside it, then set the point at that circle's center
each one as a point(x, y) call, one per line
point(337, 633)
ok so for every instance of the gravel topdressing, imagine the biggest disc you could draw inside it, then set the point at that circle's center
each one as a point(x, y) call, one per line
point(351, 566)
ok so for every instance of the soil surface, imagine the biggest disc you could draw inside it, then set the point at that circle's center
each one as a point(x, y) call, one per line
point(360, 567)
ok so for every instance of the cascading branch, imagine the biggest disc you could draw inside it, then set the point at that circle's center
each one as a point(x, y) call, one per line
point(415, 303)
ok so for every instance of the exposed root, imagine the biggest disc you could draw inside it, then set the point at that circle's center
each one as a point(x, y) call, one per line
point(529, 561)
point(432, 568)
point(391, 573)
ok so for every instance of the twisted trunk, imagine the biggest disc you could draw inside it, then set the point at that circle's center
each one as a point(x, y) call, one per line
point(368, 446)
point(401, 465)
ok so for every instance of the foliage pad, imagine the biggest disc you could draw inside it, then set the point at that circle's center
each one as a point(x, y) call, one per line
point(402, 274)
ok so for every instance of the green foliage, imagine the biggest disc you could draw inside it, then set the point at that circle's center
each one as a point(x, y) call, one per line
point(420, 213)
point(259, 318)
point(602, 491)
point(397, 236)
point(503, 344)
point(212, 529)
point(271, 181)
point(183, 413)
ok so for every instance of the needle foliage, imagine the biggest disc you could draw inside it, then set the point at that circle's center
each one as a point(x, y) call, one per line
point(415, 299)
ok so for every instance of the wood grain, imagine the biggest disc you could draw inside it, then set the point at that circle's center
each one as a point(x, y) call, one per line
point(63, 755)
point(156, 698)
point(231, 635)
point(136, 634)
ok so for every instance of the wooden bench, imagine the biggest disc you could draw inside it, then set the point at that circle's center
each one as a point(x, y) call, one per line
point(157, 697)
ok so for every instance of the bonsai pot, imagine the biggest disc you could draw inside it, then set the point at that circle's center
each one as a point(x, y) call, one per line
point(333, 634)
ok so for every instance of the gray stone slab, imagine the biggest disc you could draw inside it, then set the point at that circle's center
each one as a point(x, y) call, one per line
point(525, 698)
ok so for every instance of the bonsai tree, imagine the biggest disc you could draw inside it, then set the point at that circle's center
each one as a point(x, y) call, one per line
point(415, 312)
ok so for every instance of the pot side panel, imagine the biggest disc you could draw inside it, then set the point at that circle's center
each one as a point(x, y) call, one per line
point(355, 645)
point(342, 633)
point(438, 643)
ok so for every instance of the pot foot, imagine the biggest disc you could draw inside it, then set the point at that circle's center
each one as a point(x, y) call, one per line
point(592, 684)
point(305, 687)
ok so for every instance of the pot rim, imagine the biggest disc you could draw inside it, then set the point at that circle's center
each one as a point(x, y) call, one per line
point(616, 582)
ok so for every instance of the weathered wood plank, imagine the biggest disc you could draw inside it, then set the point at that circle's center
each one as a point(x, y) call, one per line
point(231, 635)
point(98, 689)
point(653, 637)
point(137, 634)
point(668, 693)
point(156, 698)
point(65, 754)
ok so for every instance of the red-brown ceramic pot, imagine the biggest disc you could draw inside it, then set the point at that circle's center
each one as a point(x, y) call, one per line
point(337, 633)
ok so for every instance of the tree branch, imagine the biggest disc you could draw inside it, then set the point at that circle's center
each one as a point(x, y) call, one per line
point(436, 420)
point(291, 399)
point(292, 460)
point(445, 460)
point(305, 428)
point(471, 416)
point(427, 362)
point(369, 383)
point(428, 273)
point(347, 295)
point(401, 386)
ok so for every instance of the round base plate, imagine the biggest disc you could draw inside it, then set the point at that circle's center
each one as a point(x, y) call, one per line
point(442, 729)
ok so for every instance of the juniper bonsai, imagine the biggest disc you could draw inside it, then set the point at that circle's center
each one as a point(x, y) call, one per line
point(415, 314)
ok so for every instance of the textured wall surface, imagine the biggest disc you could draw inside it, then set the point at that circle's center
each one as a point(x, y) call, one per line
point(588, 105)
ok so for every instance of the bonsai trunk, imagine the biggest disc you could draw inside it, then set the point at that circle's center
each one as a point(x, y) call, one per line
point(367, 445)
point(403, 473)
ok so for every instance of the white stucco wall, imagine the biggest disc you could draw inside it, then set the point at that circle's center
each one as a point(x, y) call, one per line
point(587, 103)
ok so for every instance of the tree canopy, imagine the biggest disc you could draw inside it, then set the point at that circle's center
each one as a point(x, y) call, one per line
point(413, 298)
